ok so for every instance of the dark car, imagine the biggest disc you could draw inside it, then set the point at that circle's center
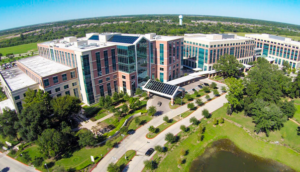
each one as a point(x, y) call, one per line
point(206, 84)
point(149, 151)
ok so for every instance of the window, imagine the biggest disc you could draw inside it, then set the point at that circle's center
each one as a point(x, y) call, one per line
point(115, 76)
point(55, 79)
point(98, 64)
point(74, 84)
point(64, 77)
point(123, 77)
point(101, 90)
point(108, 78)
point(57, 89)
point(106, 62)
point(73, 74)
point(100, 81)
point(67, 92)
point(19, 106)
point(76, 92)
point(116, 86)
point(58, 95)
point(113, 57)
point(24, 95)
point(108, 89)
point(161, 53)
point(133, 77)
point(66, 86)
point(17, 97)
point(49, 92)
point(161, 69)
point(46, 82)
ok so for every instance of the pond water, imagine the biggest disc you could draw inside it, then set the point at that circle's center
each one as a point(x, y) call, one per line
point(224, 156)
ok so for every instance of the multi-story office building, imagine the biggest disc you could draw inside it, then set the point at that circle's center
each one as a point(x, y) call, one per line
point(278, 48)
point(110, 62)
point(38, 73)
point(201, 51)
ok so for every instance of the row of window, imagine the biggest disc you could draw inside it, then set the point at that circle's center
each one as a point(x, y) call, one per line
point(219, 45)
point(286, 45)
point(68, 59)
point(55, 78)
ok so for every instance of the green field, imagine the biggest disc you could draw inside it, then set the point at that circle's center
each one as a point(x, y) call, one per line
point(246, 142)
point(19, 49)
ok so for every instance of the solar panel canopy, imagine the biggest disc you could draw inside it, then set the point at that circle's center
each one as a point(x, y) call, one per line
point(123, 39)
point(161, 87)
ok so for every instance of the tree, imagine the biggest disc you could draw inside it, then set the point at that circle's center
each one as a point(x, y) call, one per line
point(34, 97)
point(166, 119)
point(138, 91)
point(178, 101)
point(124, 108)
point(152, 129)
point(235, 93)
point(37, 161)
point(116, 97)
point(59, 169)
point(137, 120)
point(228, 65)
point(201, 129)
point(206, 89)
point(215, 121)
point(223, 88)
point(7, 121)
point(149, 164)
point(196, 93)
point(152, 110)
point(86, 139)
point(183, 128)
point(194, 121)
point(267, 116)
point(51, 142)
point(188, 96)
point(205, 113)
point(108, 101)
point(213, 85)
point(26, 157)
point(199, 102)
point(170, 138)
point(191, 106)
point(287, 108)
point(102, 101)
point(158, 148)
point(113, 168)
point(216, 92)
point(182, 152)
point(126, 97)
point(285, 66)
point(124, 130)
point(65, 106)
point(207, 97)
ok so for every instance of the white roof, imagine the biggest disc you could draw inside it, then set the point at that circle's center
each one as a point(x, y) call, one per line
point(269, 59)
point(181, 80)
point(215, 38)
point(42, 66)
point(16, 79)
point(6, 104)
point(246, 66)
point(281, 39)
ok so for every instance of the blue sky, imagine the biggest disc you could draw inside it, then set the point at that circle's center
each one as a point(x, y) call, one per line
point(15, 13)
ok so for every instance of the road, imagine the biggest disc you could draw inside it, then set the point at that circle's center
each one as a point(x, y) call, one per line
point(141, 144)
point(8, 164)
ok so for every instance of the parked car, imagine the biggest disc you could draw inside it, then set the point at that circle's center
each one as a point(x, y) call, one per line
point(149, 152)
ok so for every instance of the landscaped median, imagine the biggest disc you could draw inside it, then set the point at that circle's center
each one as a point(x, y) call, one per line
point(122, 162)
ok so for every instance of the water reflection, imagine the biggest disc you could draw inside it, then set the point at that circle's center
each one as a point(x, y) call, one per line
point(224, 156)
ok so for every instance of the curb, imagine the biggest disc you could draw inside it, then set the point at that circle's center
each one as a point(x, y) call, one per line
point(128, 162)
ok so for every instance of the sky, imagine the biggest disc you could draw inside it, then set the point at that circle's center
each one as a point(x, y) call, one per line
point(16, 13)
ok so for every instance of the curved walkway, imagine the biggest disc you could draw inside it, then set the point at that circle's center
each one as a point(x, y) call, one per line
point(141, 144)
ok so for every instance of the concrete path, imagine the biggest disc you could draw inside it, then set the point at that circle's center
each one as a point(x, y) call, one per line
point(141, 144)
point(11, 165)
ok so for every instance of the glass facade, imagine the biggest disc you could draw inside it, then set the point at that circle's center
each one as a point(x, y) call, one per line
point(161, 54)
point(266, 49)
point(201, 58)
point(161, 77)
point(126, 58)
point(98, 61)
point(113, 57)
point(142, 61)
point(151, 53)
point(87, 78)
point(106, 62)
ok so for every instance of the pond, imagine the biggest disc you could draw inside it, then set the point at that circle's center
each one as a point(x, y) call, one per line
point(224, 156)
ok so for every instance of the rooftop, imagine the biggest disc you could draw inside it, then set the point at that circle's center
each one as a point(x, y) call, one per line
point(16, 79)
point(42, 66)
point(274, 38)
point(6, 104)
point(210, 38)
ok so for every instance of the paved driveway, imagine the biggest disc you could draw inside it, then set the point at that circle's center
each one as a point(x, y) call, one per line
point(164, 108)
point(8, 164)
point(141, 144)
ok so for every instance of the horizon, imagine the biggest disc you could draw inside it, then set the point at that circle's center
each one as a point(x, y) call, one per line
point(17, 13)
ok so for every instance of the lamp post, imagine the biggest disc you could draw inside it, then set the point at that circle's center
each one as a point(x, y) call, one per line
point(46, 167)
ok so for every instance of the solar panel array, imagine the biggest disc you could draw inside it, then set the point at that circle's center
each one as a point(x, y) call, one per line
point(123, 39)
point(161, 87)
point(94, 37)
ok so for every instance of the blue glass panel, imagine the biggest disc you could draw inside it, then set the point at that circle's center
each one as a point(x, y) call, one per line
point(123, 39)
point(94, 37)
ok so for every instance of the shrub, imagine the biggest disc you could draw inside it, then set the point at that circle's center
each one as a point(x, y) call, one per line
point(222, 120)
point(113, 168)
point(201, 129)
point(196, 93)
point(37, 161)
point(149, 165)
point(191, 106)
point(188, 96)
point(137, 120)
point(215, 121)
point(158, 148)
point(170, 138)
point(207, 97)
point(216, 92)
point(194, 121)
point(152, 129)
point(124, 130)
point(224, 89)
point(26, 157)
point(183, 128)
point(199, 102)
point(213, 85)
point(166, 119)
point(151, 110)
point(179, 161)
point(205, 113)
point(178, 101)
point(182, 152)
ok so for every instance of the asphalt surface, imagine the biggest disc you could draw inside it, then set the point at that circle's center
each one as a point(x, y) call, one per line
point(8, 164)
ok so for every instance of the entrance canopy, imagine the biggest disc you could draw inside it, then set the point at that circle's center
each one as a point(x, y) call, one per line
point(160, 88)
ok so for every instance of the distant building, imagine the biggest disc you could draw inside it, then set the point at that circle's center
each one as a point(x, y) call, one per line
point(180, 20)
point(277, 49)
point(201, 51)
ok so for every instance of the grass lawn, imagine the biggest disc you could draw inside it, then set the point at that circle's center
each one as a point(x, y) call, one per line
point(188, 141)
point(297, 114)
point(144, 119)
point(122, 162)
point(102, 113)
point(19, 49)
